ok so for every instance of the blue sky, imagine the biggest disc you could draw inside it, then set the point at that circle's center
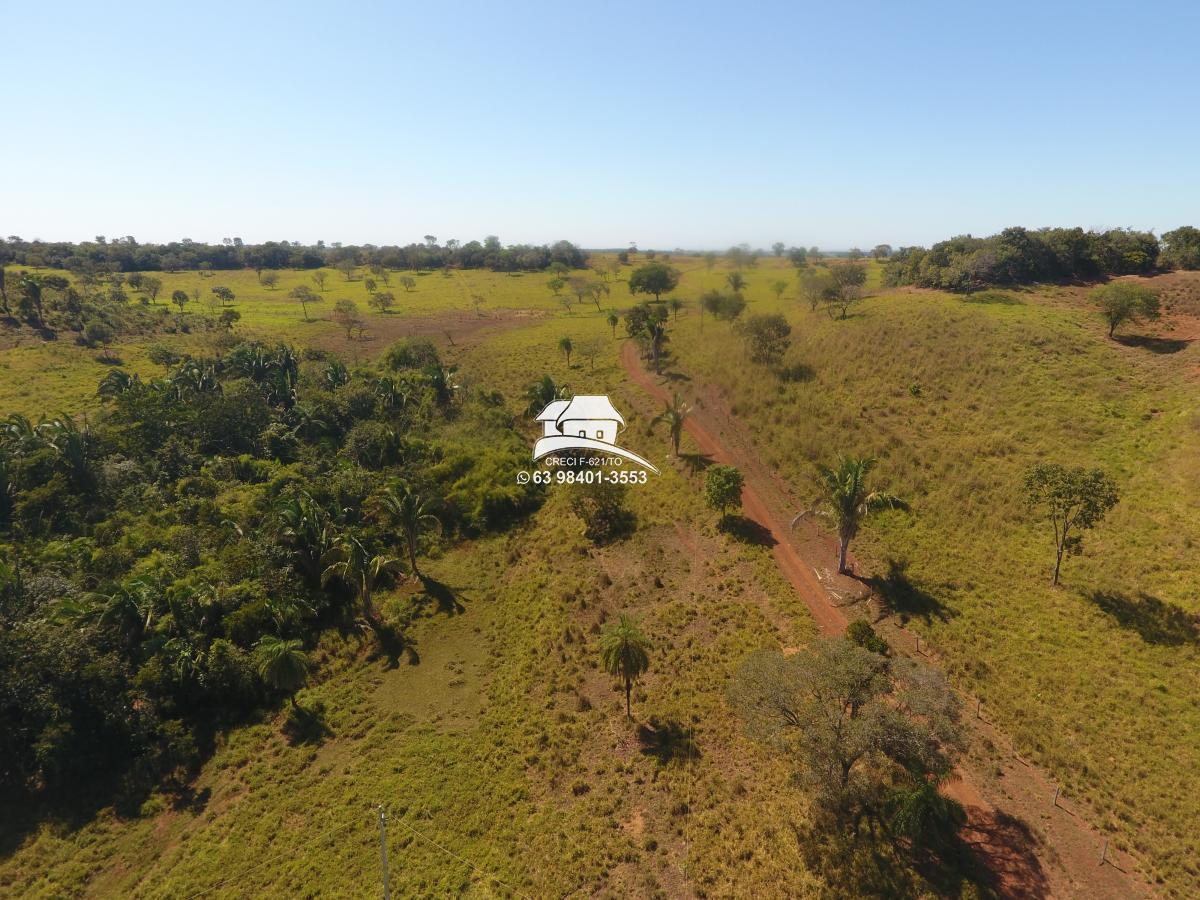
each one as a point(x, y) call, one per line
point(669, 124)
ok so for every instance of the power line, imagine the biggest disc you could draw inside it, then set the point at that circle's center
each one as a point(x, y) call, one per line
point(269, 859)
point(465, 862)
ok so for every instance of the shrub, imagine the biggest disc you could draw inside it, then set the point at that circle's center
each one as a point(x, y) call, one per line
point(861, 633)
point(602, 509)
point(412, 353)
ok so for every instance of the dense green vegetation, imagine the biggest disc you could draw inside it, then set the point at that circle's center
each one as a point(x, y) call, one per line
point(203, 521)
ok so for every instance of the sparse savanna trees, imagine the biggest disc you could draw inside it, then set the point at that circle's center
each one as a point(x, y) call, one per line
point(625, 654)
point(848, 500)
point(674, 415)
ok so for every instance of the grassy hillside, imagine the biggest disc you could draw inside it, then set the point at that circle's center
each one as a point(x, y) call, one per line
point(1097, 678)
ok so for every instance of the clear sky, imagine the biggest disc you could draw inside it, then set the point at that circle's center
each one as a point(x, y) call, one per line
point(669, 124)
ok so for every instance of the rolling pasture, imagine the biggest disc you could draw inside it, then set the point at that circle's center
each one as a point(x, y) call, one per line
point(503, 744)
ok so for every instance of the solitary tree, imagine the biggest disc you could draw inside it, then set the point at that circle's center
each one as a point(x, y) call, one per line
point(653, 278)
point(1122, 302)
point(224, 294)
point(613, 321)
point(152, 286)
point(319, 278)
point(674, 414)
point(347, 268)
point(180, 299)
point(675, 305)
point(857, 724)
point(767, 336)
point(736, 281)
point(282, 664)
point(98, 334)
point(625, 654)
point(407, 282)
point(778, 287)
point(556, 285)
point(723, 488)
point(304, 295)
point(1074, 500)
point(382, 301)
point(268, 279)
point(345, 313)
point(565, 345)
point(845, 287)
point(848, 500)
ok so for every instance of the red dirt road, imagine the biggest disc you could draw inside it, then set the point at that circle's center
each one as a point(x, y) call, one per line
point(1032, 848)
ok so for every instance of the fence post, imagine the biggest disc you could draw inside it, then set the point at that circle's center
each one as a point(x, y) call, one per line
point(1056, 790)
point(1104, 853)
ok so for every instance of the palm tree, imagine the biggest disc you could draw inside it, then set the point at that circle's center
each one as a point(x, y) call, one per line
point(128, 609)
point(922, 813)
point(303, 526)
point(674, 414)
point(676, 305)
point(543, 392)
point(117, 382)
point(846, 495)
point(625, 653)
point(566, 347)
point(73, 446)
point(413, 515)
point(656, 334)
point(282, 664)
point(363, 572)
point(736, 281)
point(612, 323)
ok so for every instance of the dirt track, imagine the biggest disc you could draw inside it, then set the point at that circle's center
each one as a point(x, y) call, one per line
point(1006, 814)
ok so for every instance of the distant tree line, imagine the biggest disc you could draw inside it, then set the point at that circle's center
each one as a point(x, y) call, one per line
point(1020, 256)
point(127, 255)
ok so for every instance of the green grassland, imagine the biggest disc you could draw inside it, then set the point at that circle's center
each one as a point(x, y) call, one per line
point(1095, 679)
point(50, 376)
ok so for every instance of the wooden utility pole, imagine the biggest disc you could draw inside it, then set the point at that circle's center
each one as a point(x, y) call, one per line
point(387, 890)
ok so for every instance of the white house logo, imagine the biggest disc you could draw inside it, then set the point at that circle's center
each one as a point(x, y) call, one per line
point(585, 422)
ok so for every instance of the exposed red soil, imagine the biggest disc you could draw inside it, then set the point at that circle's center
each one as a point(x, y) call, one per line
point(1031, 846)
